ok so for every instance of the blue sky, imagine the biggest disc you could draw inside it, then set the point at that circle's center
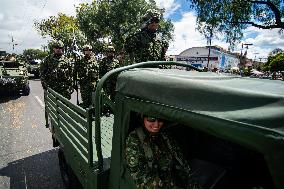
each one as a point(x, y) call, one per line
point(17, 18)
point(186, 36)
point(181, 6)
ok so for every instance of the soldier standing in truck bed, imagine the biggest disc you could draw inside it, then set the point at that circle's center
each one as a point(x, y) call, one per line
point(145, 45)
point(88, 74)
point(107, 64)
point(56, 71)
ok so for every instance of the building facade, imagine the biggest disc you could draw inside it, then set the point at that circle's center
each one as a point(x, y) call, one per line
point(210, 57)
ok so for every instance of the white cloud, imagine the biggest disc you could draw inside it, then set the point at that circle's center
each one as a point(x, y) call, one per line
point(1, 17)
point(17, 18)
point(169, 5)
point(186, 35)
point(264, 41)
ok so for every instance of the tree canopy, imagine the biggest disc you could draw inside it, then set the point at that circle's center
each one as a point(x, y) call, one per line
point(231, 17)
point(114, 21)
point(275, 61)
point(31, 54)
point(102, 22)
point(276, 51)
point(61, 27)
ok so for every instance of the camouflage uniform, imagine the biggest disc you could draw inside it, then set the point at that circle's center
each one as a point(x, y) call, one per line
point(88, 74)
point(144, 45)
point(56, 73)
point(107, 64)
point(155, 161)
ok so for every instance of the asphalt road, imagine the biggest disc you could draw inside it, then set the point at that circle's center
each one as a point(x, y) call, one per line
point(27, 158)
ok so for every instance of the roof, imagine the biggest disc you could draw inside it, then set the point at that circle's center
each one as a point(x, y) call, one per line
point(245, 111)
point(249, 101)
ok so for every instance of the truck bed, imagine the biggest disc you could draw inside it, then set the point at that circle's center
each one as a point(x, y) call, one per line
point(106, 138)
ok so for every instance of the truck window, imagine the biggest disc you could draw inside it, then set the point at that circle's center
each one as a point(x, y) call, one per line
point(11, 64)
point(34, 62)
point(209, 156)
point(2, 53)
point(154, 159)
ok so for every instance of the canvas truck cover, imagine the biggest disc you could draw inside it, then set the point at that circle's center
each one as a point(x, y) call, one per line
point(247, 111)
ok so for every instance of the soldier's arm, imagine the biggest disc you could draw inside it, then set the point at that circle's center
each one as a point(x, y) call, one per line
point(132, 46)
point(95, 73)
point(102, 68)
point(143, 176)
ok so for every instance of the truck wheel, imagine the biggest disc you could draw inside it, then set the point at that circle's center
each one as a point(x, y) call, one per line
point(26, 90)
point(63, 168)
point(36, 75)
point(69, 178)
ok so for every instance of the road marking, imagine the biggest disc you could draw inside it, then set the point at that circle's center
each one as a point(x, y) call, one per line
point(39, 101)
point(25, 179)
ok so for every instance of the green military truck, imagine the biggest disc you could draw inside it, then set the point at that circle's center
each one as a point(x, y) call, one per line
point(14, 77)
point(33, 67)
point(231, 129)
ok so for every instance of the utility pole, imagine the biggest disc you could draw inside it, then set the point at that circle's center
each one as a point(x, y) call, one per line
point(209, 41)
point(13, 43)
point(254, 61)
point(247, 46)
point(243, 56)
point(255, 55)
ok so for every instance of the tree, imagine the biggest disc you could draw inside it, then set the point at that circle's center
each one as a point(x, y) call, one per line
point(31, 54)
point(277, 62)
point(276, 51)
point(231, 17)
point(113, 21)
point(61, 27)
point(102, 22)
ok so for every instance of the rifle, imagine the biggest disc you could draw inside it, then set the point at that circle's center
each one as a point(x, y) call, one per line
point(76, 55)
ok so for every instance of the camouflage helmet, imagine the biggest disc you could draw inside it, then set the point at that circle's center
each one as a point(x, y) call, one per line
point(110, 48)
point(151, 16)
point(55, 44)
point(87, 47)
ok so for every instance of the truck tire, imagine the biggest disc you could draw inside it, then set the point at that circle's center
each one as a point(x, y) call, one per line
point(69, 178)
point(26, 90)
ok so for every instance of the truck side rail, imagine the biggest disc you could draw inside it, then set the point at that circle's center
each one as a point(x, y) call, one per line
point(72, 125)
point(99, 96)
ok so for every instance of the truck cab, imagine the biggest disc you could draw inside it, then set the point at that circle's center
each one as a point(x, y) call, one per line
point(229, 128)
